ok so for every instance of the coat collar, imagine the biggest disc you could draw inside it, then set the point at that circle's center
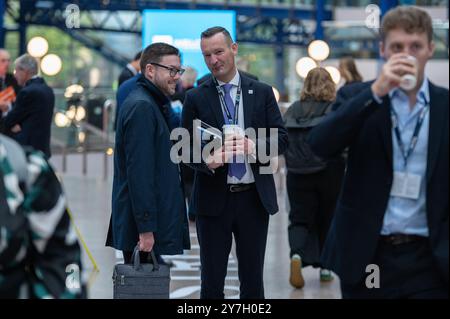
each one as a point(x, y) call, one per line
point(34, 79)
point(154, 91)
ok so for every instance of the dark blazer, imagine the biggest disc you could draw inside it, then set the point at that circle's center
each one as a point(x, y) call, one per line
point(365, 127)
point(147, 193)
point(124, 75)
point(33, 111)
point(260, 111)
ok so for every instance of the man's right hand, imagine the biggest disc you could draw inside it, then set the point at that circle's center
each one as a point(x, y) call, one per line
point(146, 241)
point(391, 74)
point(4, 106)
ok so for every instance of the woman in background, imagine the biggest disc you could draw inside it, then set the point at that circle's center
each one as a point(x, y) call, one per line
point(312, 184)
point(348, 70)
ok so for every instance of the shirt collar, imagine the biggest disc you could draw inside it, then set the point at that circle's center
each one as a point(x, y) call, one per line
point(423, 95)
point(234, 81)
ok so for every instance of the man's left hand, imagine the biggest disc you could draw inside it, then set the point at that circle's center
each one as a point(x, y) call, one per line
point(16, 128)
point(240, 145)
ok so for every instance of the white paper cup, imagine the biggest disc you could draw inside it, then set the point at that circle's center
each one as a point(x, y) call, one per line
point(409, 81)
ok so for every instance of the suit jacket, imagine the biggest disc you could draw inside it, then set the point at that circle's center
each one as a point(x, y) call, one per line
point(147, 193)
point(260, 111)
point(33, 111)
point(124, 75)
point(365, 126)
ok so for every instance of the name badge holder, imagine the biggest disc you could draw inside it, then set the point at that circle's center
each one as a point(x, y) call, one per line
point(407, 185)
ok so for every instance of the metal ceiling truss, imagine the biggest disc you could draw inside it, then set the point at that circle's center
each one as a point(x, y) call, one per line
point(278, 23)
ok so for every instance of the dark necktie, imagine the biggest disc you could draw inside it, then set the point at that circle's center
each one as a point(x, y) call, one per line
point(237, 170)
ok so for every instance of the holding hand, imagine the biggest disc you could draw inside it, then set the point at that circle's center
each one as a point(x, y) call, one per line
point(391, 74)
point(218, 158)
point(16, 128)
point(146, 241)
point(239, 145)
point(4, 106)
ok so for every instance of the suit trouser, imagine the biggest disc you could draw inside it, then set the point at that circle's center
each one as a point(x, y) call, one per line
point(245, 218)
point(406, 271)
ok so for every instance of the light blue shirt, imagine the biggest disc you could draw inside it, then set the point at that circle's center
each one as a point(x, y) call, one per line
point(404, 215)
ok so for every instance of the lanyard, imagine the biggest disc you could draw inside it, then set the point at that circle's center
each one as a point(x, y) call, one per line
point(224, 106)
point(414, 138)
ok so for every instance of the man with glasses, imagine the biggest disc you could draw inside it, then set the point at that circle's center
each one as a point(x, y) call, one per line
point(6, 80)
point(148, 207)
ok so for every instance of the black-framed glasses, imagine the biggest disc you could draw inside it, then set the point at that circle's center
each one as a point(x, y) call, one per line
point(172, 71)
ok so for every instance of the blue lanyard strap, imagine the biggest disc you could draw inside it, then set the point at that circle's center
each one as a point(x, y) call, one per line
point(414, 138)
point(224, 106)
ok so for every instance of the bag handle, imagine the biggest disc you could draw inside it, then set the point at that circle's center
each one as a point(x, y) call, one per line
point(136, 258)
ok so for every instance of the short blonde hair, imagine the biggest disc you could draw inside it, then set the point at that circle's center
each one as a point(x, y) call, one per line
point(318, 86)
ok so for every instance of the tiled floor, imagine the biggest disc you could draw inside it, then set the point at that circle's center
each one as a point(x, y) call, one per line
point(89, 199)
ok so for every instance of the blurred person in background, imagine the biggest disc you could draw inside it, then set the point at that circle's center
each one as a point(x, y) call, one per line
point(349, 71)
point(187, 82)
point(6, 80)
point(30, 120)
point(131, 69)
point(313, 184)
point(40, 257)
point(389, 235)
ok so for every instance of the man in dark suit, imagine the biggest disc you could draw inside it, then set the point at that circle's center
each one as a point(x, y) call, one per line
point(6, 80)
point(389, 236)
point(232, 198)
point(131, 69)
point(29, 122)
point(148, 207)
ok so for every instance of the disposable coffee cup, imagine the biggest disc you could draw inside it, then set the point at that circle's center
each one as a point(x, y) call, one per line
point(231, 129)
point(409, 81)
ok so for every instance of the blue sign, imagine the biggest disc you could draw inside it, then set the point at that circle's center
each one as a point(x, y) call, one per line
point(182, 29)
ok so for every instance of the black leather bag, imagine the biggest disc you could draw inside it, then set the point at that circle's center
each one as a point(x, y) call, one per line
point(141, 281)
